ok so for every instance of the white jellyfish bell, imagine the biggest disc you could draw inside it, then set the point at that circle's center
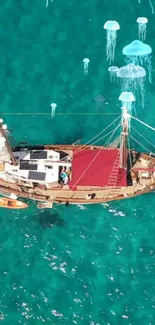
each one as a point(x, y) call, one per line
point(139, 53)
point(142, 22)
point(126, 97)
point(131, 71)
point(53, 109)
point(111, 26)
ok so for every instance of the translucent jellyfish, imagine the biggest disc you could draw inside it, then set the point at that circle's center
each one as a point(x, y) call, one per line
point(131, 71)
point(139, 53)
point(142, 21)
point(132, 79)
point(53, 108)
point(113, 73)
point(86, 64)
point(111, 27)
point(127, 98)
point(99, 99)
point(137, 48)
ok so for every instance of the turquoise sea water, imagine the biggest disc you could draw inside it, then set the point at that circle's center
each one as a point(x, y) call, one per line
point(77, 265)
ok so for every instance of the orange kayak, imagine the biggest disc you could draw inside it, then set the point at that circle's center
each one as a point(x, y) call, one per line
point(12, 204)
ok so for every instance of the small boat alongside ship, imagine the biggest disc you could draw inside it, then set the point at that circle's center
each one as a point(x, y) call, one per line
point(76, 173)
point(12, 204)
point(9, 201)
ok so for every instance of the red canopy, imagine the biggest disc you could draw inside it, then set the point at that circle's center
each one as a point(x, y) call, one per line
point(96, 167)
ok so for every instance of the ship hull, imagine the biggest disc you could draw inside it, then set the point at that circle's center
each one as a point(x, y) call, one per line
point(84, 194)
point(68, 200)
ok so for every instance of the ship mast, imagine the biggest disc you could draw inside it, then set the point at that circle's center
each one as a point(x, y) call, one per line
point(124, 134)
point(3, 131)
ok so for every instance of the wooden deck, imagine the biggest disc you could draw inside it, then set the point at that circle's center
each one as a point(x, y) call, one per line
point(141, 183)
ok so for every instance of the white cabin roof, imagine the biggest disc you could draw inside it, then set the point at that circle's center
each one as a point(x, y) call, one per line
point(36, 155)
point(35, 166)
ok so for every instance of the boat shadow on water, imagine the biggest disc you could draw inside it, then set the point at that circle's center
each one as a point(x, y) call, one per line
point(48, 219)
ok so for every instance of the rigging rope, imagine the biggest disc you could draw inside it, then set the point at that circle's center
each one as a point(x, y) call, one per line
point(139, 143)
point(147, 125)
point(108, 141)
point(143, 137)
point(78, 150)
point(89, 142)
point(103, 136)
point(94, 142)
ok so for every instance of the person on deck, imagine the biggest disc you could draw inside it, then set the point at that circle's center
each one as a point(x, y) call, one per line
point(64, 176)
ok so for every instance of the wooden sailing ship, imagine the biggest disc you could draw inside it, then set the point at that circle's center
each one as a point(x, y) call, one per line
point(76, 174)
